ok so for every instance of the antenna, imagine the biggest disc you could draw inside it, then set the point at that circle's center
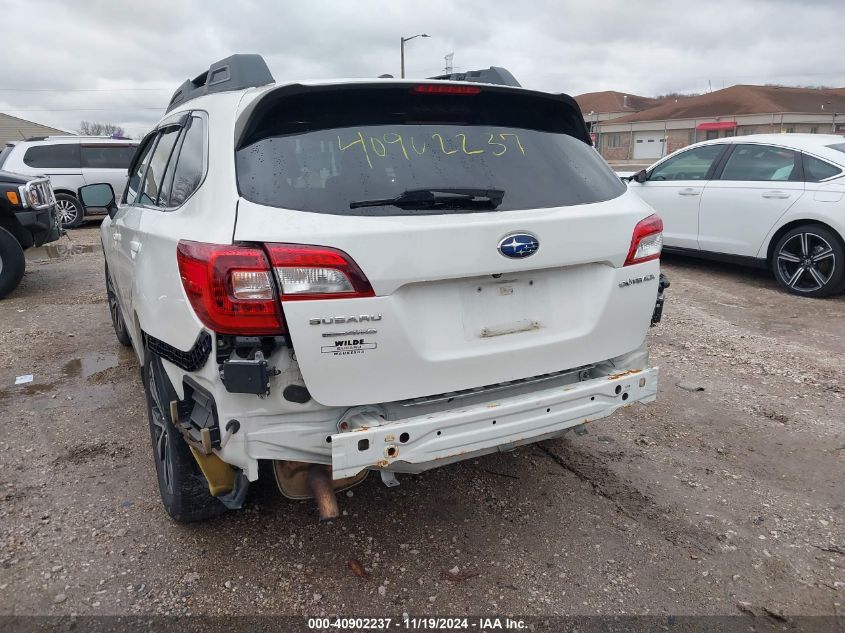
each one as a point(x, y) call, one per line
point(449, 66)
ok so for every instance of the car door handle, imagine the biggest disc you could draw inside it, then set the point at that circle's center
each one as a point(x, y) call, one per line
point(689, 191)
point(134, 247)
point(775, 194)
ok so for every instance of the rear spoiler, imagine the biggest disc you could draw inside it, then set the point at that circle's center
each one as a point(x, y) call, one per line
point(252, 112)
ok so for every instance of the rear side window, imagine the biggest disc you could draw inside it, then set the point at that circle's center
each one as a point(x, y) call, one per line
point(158, 163)
point(816, 170)
point(56, 156)
point(762, 163)
point(107, 156)
point(187, 175)
point(323, 151)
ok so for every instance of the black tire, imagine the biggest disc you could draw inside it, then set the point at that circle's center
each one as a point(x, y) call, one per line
point(183, 488)
point(12, 262)
point(117, 321)
point(809, 260)
point(69, 210)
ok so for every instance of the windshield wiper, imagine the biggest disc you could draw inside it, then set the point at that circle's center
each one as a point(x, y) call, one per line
point(428, 198)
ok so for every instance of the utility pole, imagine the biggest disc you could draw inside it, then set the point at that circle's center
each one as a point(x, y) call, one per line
point(402, 41)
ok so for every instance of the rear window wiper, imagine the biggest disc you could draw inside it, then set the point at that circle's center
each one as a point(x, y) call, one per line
point(427, 198)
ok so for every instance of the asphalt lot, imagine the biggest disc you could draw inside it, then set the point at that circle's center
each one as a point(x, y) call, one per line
point(726, 500)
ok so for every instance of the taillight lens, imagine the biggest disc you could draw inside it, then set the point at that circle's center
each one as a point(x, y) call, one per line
point(316, 272)
point(647, 242)
point(230, 288)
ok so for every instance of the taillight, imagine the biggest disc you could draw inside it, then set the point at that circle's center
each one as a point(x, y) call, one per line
point(316, 272)
point(230, 288)
point(446, 89)
point(647, 241)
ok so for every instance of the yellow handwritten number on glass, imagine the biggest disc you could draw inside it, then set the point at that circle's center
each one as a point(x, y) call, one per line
point(359, 141)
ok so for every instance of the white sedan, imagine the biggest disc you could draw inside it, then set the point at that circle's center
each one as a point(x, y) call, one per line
point(765, 200)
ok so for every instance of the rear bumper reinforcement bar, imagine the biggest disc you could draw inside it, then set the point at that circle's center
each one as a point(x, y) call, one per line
point(419, 443)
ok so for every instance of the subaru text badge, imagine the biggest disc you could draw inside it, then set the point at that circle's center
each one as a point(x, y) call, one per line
point(518, 245)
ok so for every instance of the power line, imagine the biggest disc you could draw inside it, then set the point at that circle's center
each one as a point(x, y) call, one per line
point(85, 89)
point(80, 109)
point(798, 74)
point(758, 76)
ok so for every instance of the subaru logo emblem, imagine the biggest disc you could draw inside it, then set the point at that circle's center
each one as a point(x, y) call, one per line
point(518, 245)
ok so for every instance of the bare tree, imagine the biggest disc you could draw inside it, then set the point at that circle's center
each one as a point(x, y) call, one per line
point(95, 128)
point(676, 95)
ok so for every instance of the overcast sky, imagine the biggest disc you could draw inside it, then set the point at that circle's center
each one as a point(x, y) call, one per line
point(110, 60)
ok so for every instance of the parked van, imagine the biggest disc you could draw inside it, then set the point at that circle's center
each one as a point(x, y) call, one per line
point(71, 162)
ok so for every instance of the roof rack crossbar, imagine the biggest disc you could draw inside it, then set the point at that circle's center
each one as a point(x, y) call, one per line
point(235, 72)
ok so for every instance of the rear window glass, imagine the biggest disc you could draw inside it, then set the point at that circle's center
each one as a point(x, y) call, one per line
point(839, 147)
point(107, 156)
point(321, 152)
point(65, 155)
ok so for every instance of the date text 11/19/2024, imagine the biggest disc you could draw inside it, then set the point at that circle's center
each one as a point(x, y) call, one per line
point(480, 624)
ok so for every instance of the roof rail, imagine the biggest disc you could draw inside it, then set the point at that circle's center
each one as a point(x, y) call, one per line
point(236, 72)
point(492, 75)
point(73, 136)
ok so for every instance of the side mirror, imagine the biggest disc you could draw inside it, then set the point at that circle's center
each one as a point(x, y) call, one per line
point(641, 176)
point(100, 195)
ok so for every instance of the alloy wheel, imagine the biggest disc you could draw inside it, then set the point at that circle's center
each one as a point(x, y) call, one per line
point(806, 262)
point(65, 211)
point(112, 298)
point(161, 444)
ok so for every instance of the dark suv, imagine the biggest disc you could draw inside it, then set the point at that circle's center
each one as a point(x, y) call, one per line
point(27, 219)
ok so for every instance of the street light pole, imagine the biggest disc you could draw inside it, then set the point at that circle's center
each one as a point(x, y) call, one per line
point(402, 41)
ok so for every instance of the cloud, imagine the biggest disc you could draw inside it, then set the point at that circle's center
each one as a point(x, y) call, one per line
point(129, 57)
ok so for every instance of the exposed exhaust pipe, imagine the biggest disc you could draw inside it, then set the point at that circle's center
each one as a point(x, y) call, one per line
point(322, 489)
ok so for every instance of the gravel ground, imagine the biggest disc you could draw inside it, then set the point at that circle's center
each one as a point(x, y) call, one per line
point(723, 497)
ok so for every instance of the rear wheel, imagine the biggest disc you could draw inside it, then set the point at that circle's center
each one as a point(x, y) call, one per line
point(12, 263)
point(117, 321)
point(183, 488)
point(809, 260)
point(69, 210)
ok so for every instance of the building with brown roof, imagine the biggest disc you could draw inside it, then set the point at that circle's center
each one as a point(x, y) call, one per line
point(652, 133)
point(609, 104)
point(13, 128)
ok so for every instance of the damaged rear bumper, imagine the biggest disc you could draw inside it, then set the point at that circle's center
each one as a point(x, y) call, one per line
point(419, 443)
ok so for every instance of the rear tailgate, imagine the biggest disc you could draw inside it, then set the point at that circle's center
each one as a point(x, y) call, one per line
point(450, 310)
point(443, 319)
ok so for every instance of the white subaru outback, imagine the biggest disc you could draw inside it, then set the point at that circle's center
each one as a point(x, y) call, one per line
point(337, 277)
